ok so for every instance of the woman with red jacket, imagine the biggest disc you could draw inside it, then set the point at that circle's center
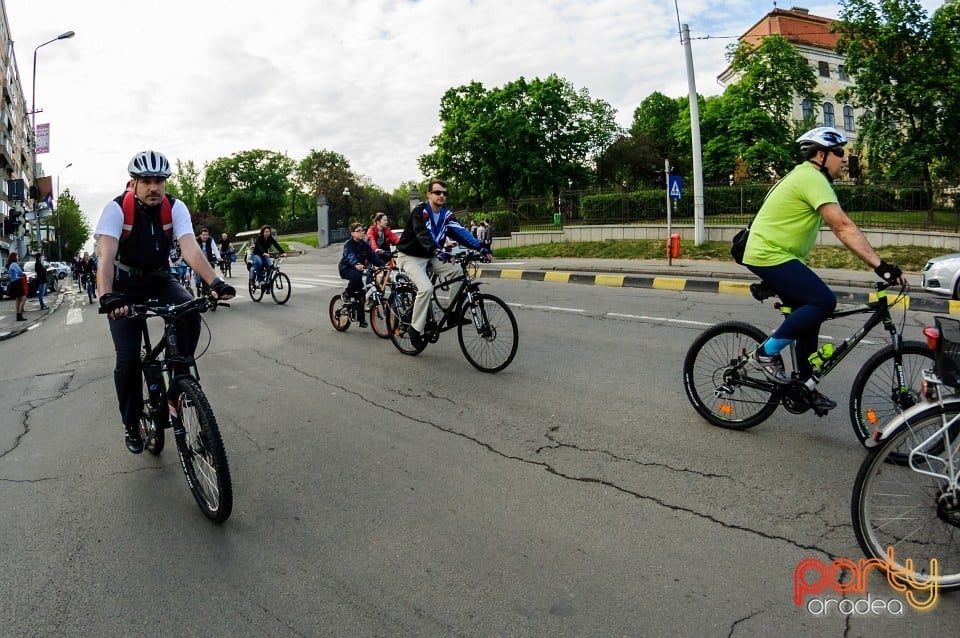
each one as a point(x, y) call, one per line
point(379, 235)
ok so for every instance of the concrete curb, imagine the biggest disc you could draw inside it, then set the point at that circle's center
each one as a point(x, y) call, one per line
point(734, 286)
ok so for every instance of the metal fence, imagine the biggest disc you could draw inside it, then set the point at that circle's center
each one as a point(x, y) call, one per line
point(886, 206)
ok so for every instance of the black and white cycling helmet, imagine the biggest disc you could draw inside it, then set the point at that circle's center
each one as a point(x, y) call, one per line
point(822, 137)
point(149, 164)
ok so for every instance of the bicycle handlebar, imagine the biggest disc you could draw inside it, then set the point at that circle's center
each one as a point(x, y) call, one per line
point(152, 309)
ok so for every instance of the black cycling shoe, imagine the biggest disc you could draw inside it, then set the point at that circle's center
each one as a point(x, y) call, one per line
point(363, 323)
point(133, 440)
point(821, 402)
point(416, 340)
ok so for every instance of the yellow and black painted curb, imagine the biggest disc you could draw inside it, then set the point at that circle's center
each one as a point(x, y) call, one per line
point(719, 286)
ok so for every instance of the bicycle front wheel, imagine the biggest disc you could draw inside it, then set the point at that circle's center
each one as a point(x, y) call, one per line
point(915, 514)
point(201, 450)
point(488, 333)
point(716, 383)
point(339, 314)
point(280, 288)
point(398, 321)
point(876, 396)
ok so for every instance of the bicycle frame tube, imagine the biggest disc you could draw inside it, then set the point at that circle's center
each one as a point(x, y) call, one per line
point(880, 314)
point(456, 301)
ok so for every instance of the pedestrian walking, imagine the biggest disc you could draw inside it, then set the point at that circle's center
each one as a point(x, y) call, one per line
point(41, 272)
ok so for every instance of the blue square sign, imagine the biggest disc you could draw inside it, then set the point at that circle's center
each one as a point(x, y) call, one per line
point(675, 187)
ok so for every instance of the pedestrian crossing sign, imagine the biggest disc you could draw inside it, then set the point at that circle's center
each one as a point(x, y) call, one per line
point(675, 187)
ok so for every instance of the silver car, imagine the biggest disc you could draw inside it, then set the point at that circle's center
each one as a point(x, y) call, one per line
point(941, 275)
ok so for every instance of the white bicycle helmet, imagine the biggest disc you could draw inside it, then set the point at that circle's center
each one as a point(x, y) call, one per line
point(149, 164)
point(825, 137)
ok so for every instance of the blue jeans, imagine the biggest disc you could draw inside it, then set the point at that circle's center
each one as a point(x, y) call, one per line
point(812, 302)
point(259, 261)
point(41, 291)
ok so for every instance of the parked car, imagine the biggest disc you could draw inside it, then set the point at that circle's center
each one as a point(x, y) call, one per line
point(63, 268)
point(941, 275)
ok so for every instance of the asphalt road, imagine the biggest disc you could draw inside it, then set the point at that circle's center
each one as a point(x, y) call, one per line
point(574, 494)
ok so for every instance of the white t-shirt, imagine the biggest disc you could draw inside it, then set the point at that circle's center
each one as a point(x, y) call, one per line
point(111, 220)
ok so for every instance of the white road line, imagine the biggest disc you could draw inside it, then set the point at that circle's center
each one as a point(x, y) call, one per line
point(661, 319)
point(74, 315)
point(557, 308)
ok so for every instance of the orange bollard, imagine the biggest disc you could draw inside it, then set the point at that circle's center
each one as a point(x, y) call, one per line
point(673, 246)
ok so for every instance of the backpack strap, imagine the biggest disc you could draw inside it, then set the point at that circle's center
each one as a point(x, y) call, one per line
point(129, 206)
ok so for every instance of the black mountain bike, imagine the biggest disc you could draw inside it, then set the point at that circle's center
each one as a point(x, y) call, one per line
point(486, 327)
point(173, 398)
point(273, 280)
point(725, 391)
point(226, 264)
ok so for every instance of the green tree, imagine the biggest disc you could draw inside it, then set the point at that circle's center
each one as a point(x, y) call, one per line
point(186, 185)
point(249, 188)
point(73, 226)
point(525, 138)
point(758, 124)
point(907, 67)
point(654, 120)
point(630, 162)
point(328, 173)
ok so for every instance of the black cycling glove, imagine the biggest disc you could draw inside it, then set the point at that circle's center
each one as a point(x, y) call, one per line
point(223, 289)
point(888, 272)
point(110, 301)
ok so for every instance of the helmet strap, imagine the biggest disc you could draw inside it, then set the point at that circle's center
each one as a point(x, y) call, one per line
point(822, 165)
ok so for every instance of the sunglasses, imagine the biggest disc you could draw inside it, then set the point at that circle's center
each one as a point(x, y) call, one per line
point(838, 151)
point(438, 193)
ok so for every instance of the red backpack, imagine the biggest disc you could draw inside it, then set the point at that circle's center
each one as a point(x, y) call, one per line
point(166, 215)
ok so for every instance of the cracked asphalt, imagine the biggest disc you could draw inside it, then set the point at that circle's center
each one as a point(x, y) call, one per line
point(573, 494)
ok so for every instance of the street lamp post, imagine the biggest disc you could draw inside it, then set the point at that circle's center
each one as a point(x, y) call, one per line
point(346, 200)
point(56, 202)
point(33, 123)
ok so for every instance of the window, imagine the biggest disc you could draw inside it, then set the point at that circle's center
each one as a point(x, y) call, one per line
point(848, 118)
point(824, 69)
point(807, 110)
point(828, 119)
point(841, 73)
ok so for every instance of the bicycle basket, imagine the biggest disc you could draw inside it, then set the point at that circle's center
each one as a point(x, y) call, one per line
point(948, 351)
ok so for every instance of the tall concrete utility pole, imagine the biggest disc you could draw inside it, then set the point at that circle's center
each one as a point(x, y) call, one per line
point(698, 221)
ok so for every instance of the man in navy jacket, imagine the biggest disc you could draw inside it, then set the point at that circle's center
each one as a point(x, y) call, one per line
point(421, 245)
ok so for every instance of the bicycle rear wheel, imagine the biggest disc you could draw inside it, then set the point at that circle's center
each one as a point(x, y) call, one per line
point(895, 506)
point(339, 313)
point(256, 290)
point(150, 430)
point(492, 346)
point(202, 456)
point(280, 288)
point(713, 375)
point(876, 397)
point(398, 321)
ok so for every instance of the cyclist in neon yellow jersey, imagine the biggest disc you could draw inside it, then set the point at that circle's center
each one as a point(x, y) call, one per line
point(781, 236)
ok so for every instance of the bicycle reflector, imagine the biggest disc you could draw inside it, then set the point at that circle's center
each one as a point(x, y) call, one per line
point(932, 335)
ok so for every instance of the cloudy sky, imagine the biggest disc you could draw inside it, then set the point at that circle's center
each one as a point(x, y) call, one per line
point(202, 79)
